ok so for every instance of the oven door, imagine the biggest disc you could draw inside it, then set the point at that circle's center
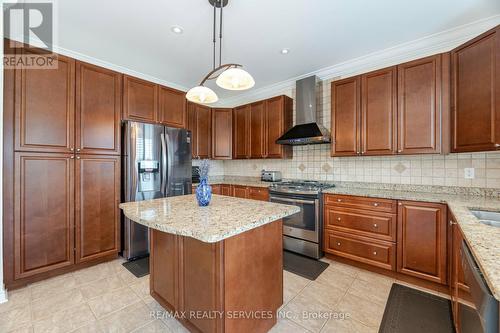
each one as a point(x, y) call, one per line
point(304, 224)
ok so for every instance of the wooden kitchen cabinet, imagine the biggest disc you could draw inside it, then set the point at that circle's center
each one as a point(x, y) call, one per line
point(98, 110)
point(45, 107)
point(241, 132)
point(422, 240)
point(222, 134)
point(199, 123)
point(379, 112)
point(419, 106)
point(140, 100)
point(278, 118)
point(97, 217)
point(240, 191)
point(346, 117)
point(43, 213)
point(475, 88)
point(258, 193)
point(172, 107)
point(257, 130)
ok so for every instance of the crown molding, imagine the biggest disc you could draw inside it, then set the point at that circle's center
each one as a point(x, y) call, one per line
point(105, 64)
point(440, 42)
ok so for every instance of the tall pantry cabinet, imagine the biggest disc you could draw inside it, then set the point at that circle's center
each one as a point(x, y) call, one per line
point(62, 150)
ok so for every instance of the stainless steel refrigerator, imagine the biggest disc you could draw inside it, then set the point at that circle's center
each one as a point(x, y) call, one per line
point(156, 164)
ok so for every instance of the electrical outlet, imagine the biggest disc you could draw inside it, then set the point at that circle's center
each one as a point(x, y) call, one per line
point(469, 173)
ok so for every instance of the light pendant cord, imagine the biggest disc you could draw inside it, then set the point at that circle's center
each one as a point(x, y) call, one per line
point(220, 32)
point(214, 40)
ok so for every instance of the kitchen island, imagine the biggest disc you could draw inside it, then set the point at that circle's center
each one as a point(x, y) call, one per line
point(217, 268)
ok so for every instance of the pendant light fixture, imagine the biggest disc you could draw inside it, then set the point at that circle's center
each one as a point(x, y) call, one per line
point(227, 76)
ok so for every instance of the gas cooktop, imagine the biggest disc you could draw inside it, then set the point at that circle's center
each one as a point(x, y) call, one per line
point(300, 186)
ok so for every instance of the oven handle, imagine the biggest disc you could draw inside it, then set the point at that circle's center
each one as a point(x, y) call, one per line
point(313, 202)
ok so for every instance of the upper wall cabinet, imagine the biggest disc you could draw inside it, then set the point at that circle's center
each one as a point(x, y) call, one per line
point(172, 107)
point(346, 115)
point(279, 112)
point(45, 107)
point(419, 97)
point(476, 93)
point(199, 119)
point(222, 134)
point(241, 140)
point(378, 112)
point(397, 110)
point(257, 129)
point(98, 110)
point(140, 99)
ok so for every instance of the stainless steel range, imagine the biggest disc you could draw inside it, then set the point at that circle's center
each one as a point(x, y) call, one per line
point(302, 232)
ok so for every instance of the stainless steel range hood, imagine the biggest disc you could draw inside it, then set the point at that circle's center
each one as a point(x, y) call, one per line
point(306, 131)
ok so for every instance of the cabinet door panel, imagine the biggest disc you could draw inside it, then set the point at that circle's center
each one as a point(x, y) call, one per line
point(422, 240)
point(378, 126)
point(345, 120)
point(257, 113)
point(172, 107)
point(258, 193)
point(226, 190)
point(476, 93)
point(241, 132)
point(45, 107)
point(44, 213)
point(222, 133)
point(279, 112)
point(240, 191)
point(97, 184)
point(191, 126)
point(203, 131)
point(140, 99)
point(98, 109)
point(419, 97)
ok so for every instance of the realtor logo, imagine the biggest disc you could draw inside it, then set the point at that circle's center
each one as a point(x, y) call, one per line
point(30, 27)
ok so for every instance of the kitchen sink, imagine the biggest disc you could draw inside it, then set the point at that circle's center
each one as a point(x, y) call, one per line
point(487, 217)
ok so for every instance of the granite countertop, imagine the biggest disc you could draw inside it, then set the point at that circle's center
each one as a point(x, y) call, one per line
point(252, 183)
point(483, 240)
point(224, 217)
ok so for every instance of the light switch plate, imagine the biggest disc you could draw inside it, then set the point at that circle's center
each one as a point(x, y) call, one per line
point(469, 173)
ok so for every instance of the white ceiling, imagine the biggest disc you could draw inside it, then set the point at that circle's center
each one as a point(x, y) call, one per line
point(319, 33)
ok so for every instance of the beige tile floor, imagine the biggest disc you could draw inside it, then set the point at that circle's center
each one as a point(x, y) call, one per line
point(108, 298)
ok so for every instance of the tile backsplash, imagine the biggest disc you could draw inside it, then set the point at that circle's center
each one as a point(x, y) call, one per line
point(315, 163)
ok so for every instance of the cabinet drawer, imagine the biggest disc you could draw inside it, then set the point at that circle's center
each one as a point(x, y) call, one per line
point(361, 222)
point(258, 193)
point(369, 251)
point(349, 201)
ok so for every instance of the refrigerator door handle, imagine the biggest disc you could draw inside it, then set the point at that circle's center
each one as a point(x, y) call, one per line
point(170, 159)
point(163, 185)
point(134, 172)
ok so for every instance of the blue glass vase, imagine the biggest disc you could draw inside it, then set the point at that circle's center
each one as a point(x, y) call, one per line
point(203, 193)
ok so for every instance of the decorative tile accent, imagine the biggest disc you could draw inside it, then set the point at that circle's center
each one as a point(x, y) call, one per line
point(400, 168)
point(302, 167)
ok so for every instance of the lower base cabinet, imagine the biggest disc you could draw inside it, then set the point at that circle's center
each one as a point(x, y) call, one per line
point(422, 240)
point(65, 212)
point(407, 237)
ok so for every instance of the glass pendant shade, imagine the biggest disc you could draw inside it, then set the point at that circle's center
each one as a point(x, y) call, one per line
point(235, 79)
point(201, 95)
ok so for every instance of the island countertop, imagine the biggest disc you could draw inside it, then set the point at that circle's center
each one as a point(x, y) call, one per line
point(223, 218)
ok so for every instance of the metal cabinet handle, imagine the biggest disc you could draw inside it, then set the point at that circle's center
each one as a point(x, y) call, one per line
point(339, 200)
point(400, 204)
point(338, 243)
point(374, 253)
point(72, 157)
point(452, 223)
point(78, 149)
point(400, 151)
point(375, 225)
point(338, 218)
point(72, 149)
point(497, 145)
point(362, 152)
point(78, 157)
point(376, 204)
point(357, 152)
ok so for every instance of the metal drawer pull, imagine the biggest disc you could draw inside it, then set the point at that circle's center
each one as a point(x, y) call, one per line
point(339, 200)
point(338, 218)
point(374, 253)
point(376, 204)
point(400, 204)
point(338, 243)
point(375, 225)
point(497, 145)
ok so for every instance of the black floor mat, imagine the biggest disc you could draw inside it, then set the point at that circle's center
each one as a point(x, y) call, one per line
point(413, 311)
point(303, 266)
point(138, 267)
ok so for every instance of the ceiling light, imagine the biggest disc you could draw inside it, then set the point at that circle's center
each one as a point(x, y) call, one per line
point(176, 29)
point(201, 95)
point(228, 76)
point(285, 51)
point(235, 79)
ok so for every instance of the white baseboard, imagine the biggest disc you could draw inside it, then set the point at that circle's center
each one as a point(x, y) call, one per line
point(3, 294)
